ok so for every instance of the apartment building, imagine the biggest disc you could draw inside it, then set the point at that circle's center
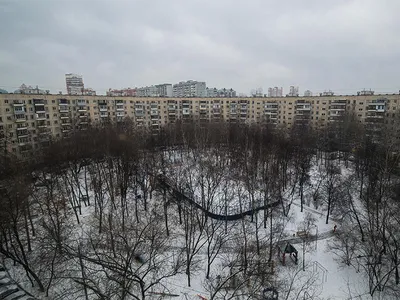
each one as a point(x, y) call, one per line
point(126, 92)
point(29, 122)
point(24, 89)
point(275, 92)
point(159, 90)
point(190, 88)
point(307, 93)
point(164, 90)
point(293, 91)
point(74, 84)
point(224, 93)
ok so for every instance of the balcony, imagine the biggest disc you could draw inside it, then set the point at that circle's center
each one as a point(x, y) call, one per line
point(336, 107)
point(339, 102)
point(64, 108)
point(20, 118)
point(374, 116)
point(82, 109)
point(18, 103)
point(120, 114)
point(63, 102)
point(271, 106)
point(102, 102)
point(22, 141)
point(22, 127)
point(81, 102)
point(376, 108)
point(119, 108)
point(103, 114)
point(103, 108)
point(154, 112)
point(64, 116)
point(40, 116)
point(22, 133)
point(43, 131)
point(82, 116)
point(40, 109)
point(303, 107)
point(185, 111)
point(19, 110)
point(38, 102)
point(271, 113)
point(336, 113)
point(41, 124)
point(139, 114)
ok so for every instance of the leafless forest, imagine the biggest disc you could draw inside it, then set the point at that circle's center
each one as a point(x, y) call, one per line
point(115, 212)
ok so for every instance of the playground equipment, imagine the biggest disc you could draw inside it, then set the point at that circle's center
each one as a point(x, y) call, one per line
point(287, 249)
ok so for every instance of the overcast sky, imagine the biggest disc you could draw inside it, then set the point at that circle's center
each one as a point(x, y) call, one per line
point(343, 45)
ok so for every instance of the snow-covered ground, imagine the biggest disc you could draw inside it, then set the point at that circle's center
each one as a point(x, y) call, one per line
point(330, 278)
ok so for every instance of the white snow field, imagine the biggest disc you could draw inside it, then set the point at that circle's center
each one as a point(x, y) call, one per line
point(324, 275)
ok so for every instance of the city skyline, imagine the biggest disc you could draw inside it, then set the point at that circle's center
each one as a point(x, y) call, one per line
point(342, 45)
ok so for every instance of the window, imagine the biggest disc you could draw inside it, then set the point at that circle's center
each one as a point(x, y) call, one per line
point(10, 126)
point(53, 101)
point(6, 101)
point(54, 108)
point(7, 109)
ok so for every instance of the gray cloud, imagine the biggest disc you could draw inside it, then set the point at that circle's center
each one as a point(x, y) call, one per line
point(344, 45)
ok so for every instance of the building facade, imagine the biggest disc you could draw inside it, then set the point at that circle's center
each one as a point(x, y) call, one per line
point(275, 92)
point(24, 89)
point(126, 92)
point(29, 122)
point(224, 93)
point(164, 90)
point(293, 91)
point(307, 93)
point(190, 88)
point(74, 84)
